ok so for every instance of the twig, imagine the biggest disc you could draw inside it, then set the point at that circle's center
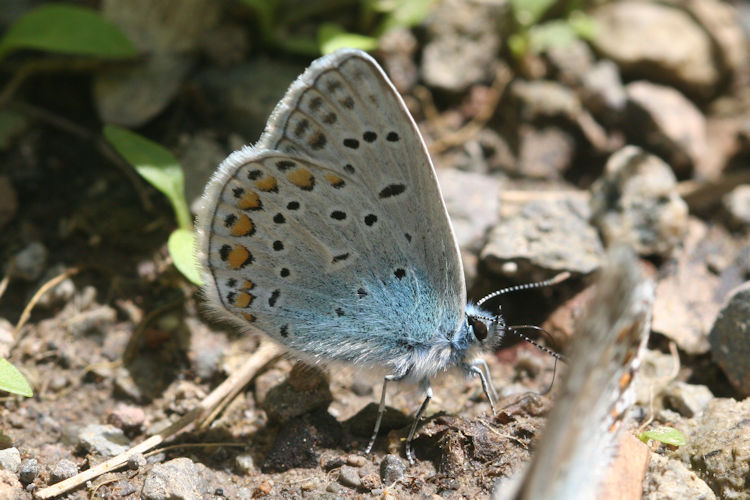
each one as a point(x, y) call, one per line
point(266, 351)
point(38, 295)
point(6, 278)
point(103, 146)
point(460, 136)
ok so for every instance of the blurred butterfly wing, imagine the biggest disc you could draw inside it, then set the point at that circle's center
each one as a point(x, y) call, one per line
point(345, 114)
point(580, 438)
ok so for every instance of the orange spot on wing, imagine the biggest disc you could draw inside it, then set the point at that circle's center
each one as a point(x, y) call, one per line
point(248, 317)
point(266, 184)
point(334, 180)
point(243, 226)
point(238, 257)
point(249, 201)
point(248, 285)
point(302, 178)
point(625, 380)
point(243, 299)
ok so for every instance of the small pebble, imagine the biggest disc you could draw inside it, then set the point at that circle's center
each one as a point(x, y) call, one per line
point(370, 481)
point(392, 468)
point(136, 461)
point(63, 470)
point(356, 461)
point(245, 464)
point(333, 488)
point(348, 476)
point(30, 262)
point(29, 470)
point(10, 459)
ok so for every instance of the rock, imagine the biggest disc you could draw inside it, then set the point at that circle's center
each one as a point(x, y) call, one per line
point(178, 479)
point(128, 418)
point(448, 62)
point(29, 263)
point(136, 461)
point(133, 94)
point(245, 464)
point(97, 320)
point(667, 479)
point(63, 469)
point(544, 237)
point(299, 439)
point(572, 61)
point(636, 202)
point(62, 293)
point(720, 20)
point(640, 36)
point(392, 468)
point(666, 122)
point(10, 459)
point(686, 302)
point(544, 153)
point(29, 471)
point(688, 399)
point(737, 205)
point(473, 202)
point(105, 440)
point(718, 447)
point(729, 339)
point(9, 486)
point(603, 93)
point(245, 94)
point(348, 476)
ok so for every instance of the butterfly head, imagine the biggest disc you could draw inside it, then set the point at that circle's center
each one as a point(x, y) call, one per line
point(482, 330)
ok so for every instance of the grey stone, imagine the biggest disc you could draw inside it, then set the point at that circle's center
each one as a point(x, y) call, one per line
point(105, 440)
point(448, 62)
point(245, 463)
point(392, 468)
point(667, 123)
point(688, 399)
point(98, 319)
point(473, 203)
point(603, 92)
point(544, 152)
point(30, 261)
point(136, 461)
point(730, 339)
point(640, 38)
point(29, 471)
point(737, 205)
point(178, 479)
point(636, 202)
point(718, 447)
point(349, 476)
point(10, 459)
point(542, 238)
point(62, 470)
point(571, 60)
point(667, 479)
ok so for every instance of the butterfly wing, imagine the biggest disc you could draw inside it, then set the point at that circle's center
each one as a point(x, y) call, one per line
point(331, 235)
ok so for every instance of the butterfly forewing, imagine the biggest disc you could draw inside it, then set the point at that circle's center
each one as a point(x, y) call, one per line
point(335, 222)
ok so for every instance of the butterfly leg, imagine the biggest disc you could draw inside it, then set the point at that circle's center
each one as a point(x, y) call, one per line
point(428, 396)
point(381, 409)
point(487, 387)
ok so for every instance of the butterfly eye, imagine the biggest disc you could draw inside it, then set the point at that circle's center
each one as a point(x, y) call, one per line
point(479, 328)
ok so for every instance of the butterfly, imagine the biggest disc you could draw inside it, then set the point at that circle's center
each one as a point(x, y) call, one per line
point(330, 235)
point(580, 438)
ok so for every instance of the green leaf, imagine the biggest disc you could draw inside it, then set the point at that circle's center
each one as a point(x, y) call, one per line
point(332, 37)
point(11, 380)
point(155, 164)
point(181, 246)
point(551, 34)
point(584, 25)
point(403, 13)
point(666, 435)
point(67, 29)
point(529, 12)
